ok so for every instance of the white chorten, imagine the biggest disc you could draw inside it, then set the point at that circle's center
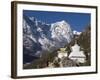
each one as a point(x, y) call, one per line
point(76, 54)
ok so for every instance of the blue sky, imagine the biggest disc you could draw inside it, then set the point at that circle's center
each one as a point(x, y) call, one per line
point(77, 21)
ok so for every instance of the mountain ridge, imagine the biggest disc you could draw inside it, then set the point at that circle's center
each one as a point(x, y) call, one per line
point(39, 37)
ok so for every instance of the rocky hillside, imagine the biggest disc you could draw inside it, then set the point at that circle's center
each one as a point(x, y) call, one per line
point(51, 60)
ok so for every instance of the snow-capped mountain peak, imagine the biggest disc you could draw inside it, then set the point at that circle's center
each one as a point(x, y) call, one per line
point(76, 32)
point(63, 22)
point(60, 30)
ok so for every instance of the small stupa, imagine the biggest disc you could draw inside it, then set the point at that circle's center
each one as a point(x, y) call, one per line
point(62, 53)
point(76, 54)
